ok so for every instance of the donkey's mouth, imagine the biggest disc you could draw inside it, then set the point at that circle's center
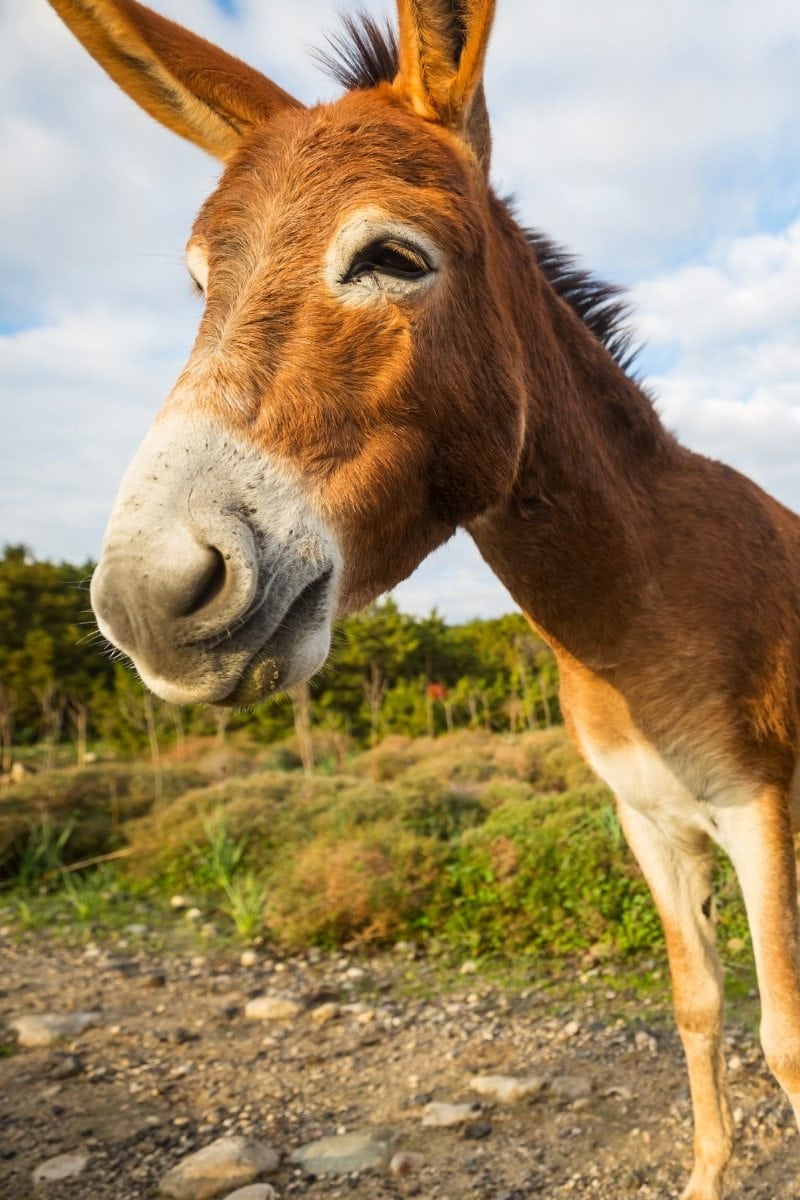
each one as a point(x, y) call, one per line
point(296, 649)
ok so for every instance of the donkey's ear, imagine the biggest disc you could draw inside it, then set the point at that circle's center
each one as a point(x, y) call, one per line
point(442, 51)
point(183, 81)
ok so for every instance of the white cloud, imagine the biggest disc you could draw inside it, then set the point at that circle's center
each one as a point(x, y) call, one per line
point(731, 326)
point(644, 136)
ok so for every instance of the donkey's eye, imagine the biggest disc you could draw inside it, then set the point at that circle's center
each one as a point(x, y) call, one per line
point(395, 259)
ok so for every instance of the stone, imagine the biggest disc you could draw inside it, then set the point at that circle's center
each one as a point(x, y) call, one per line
point(505, 1089)
point(63, 1166)
point(405, 1162)
point(569, 1088)
point(438, 1114)
point(179, 902)
point(248, 958)
point(476, 1130)
point(42, 1029)
point(345, 1154)
point(256, 1191)
point(324, 1013)
point(229, 1162)
point(64, 1066)
point(154, 979)
point(271, 1008)
point(468, 968)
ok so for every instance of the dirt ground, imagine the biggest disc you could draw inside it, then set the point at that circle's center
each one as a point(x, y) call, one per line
point(173, 1063)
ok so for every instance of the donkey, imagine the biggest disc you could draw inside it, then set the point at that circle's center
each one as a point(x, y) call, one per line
point(385, 355)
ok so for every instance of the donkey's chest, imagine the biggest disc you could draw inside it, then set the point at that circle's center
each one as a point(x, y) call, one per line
point(641, 779)
point(679, 793)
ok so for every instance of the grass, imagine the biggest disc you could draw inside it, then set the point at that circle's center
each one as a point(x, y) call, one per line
point(477, 845)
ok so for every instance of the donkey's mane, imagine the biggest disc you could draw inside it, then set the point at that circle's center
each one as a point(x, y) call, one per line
point(365, 53)
point(362, 54)
point(601, 306)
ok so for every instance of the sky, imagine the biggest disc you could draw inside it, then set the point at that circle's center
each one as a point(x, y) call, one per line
point(660, 143)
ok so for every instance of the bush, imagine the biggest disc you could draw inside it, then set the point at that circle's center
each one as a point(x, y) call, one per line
point(84, 809)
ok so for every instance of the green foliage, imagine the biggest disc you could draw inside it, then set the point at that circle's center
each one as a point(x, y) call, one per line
point(42, 848)
point(492, 845)
point(66, 815)
point(54, 675)
point(545, 874)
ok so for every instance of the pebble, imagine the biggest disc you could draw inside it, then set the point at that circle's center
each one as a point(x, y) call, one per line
point(248, 958)
point(476, 1130)
point(324, 1013)
point(256, 1191)
point(438, 1114)
point(64, 1066)
point(345, 1154)
point(571, 1087)
point(179, 902)
point(405, 1162)
point(229, 1162)
point(63, 1166)
point(468, 968)
point(505, 1089)
point(154, 979)
point(271, 1008)
point(42, 1029)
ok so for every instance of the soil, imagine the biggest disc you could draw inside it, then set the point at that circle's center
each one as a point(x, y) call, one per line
point(173, 1063)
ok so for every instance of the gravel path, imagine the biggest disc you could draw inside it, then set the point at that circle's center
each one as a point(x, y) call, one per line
point(172, 1063)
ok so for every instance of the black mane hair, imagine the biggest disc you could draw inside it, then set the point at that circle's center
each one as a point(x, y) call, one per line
point(362, 54)
point(365, 53)
point(601, 306)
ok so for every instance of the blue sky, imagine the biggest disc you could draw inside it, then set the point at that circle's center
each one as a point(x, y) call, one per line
point(662, 144)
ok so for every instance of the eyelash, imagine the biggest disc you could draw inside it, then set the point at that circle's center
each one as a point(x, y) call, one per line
point(399, 262)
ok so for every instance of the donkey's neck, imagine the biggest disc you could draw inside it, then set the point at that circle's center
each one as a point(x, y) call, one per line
point(573, 542)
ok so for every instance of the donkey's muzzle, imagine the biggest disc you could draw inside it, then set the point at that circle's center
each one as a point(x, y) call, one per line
point(215, 578)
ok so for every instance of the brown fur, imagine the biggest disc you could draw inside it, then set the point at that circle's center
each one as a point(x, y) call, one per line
point(668, 584)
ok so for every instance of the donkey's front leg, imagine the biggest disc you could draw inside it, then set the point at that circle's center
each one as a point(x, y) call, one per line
point(680, 880)
point(759, 839)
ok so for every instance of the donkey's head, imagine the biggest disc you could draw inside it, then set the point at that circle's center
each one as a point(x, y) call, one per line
point(353, 393)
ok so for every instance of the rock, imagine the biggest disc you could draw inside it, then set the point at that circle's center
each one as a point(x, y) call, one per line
point(63, 1166)
point(194, 914)
point(248, 958)
point(229, 1162)
point(477, 1130)
point(64, 1066)
point(437, 1114)
point(505, 1089)
point(324, 1013)
point(178, 902)
point(256, 1191)
point(42, 1029)
point(271, 1008)
point(137, 929)
point(468, 968)
point(405, 1163)
point(154, 979)
point(19, 772)
point(345, 1154)
point(569, 1088)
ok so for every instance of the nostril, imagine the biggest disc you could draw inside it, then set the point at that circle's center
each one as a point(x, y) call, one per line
point(207, 585)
